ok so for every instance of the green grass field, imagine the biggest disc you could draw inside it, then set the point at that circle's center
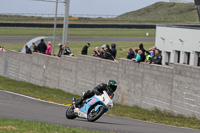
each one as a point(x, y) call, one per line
point(62, 97)
point(78, 32)
point(22, 126)
point(76, 47)
point(165, 12)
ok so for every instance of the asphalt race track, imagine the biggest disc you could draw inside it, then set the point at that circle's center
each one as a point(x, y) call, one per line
point(19, 107)
point(19, 39)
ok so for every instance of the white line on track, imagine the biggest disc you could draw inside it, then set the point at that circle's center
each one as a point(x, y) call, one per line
point(33, 98)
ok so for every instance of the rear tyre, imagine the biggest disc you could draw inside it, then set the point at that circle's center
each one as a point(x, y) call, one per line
point(70, 114)
point(94, 115)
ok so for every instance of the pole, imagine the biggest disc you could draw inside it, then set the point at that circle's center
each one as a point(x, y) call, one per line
point(55, 22)
point(66, 22)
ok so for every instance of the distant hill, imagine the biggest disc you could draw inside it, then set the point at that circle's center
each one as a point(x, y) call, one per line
point(164, 12)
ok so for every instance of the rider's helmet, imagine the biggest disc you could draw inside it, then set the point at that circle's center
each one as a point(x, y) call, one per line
point(112, 85)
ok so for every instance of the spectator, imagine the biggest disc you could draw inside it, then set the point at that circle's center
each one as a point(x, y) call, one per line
point(85, 49)
point(114, 51)
point(136, 51)
point(138, 56)
point(95, 54)
point(131, 54)
point(142, 57)
point(28, 50)
point(42, 47)
point(108, 49)
point(102, 51)
point(97, 51)
point(142, 48)
point(153, 51)
point(150, 51)
point(49, 48)
point(64, 50)
point(107, 53)
point(35, 48)
point(2, 49)
point(157, 58)
point(148, 57)
point(60, 50)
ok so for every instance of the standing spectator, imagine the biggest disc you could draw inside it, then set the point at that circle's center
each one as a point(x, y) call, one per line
point(64, 50)
point(60, 50)
point(108, 49)
point(131, 54)
point(138, 56)
point(97, 51)
point(85, 49)
point(2, 49)
point(49, 48)
point(114, 51)
point(102, 51)
point(157, 58)
point(35, 48)
point(107, 53)
point(148, 57)
point(142, 55)
point(28, 50)
point(142, 48)
point(42, 47)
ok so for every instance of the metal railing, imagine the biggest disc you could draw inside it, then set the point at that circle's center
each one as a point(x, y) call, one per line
point(32, 17)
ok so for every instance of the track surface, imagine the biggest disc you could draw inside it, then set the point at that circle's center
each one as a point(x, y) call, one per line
point(19, 39)
point(14, 106)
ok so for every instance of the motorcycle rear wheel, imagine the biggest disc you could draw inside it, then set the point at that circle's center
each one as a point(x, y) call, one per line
point(94, 115)
point(70, 114)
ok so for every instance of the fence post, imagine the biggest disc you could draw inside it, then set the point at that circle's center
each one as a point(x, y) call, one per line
point(6, 65)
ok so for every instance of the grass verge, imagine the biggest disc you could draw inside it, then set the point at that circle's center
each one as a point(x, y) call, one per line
point(76, 47)
point(62, 97)
point(78, 32)
point(22, 126)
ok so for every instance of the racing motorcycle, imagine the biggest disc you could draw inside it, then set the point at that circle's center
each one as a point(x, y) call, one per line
point(92, 109)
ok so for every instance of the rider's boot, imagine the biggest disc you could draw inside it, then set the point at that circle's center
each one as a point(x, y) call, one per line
point(79, 102)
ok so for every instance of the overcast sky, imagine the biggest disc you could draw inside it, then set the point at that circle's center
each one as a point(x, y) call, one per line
point(97, 7)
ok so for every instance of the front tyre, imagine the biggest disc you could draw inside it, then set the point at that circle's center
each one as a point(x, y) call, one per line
point(70, 114)
point(94, 115)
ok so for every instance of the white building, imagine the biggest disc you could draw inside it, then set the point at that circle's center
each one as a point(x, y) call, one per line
point(179, 44)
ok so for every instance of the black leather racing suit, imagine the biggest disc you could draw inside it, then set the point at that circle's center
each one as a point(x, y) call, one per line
point(97, 90)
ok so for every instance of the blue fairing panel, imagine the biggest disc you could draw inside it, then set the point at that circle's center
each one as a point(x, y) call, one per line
point(89, 102)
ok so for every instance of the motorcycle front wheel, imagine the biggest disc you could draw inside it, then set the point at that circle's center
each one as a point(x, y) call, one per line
point(94, 115)
point(70, 114)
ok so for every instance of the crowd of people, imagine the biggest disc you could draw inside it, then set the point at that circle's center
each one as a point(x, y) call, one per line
point(46, 49)
point(105, 53)
point(40, 48)
point(151, 56)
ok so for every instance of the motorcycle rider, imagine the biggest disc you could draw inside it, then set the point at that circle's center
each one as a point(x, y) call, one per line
point(110, 88)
